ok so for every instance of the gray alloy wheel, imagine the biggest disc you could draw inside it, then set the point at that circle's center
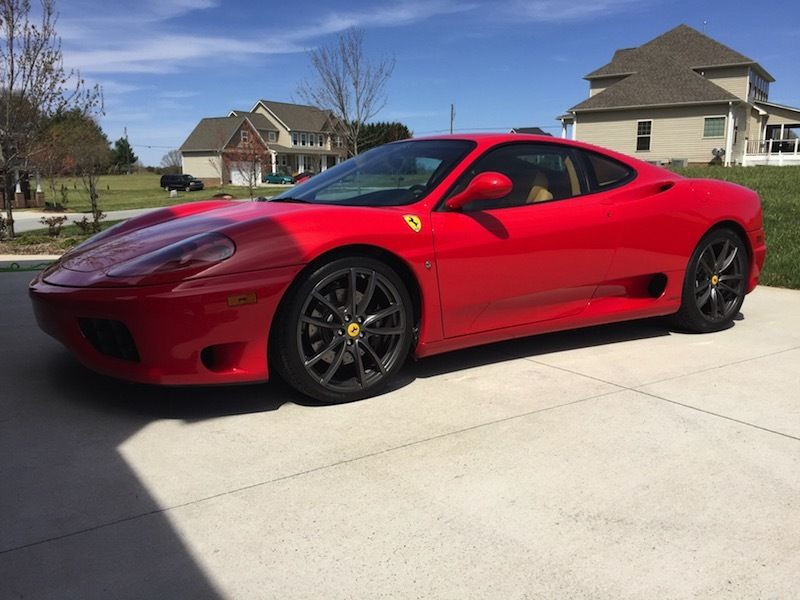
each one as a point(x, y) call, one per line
point(715, 282)
point(345, 331)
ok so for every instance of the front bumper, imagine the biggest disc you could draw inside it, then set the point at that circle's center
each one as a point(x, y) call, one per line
point(758, 249)
point(186, 333)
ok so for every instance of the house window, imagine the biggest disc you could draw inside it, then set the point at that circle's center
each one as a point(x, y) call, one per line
point(338, 141)
point(714, 127)
point(320, 142)
point(272, 136)
point(295, 139)
point(245, 135)
point(643, 130)
point(303, 139)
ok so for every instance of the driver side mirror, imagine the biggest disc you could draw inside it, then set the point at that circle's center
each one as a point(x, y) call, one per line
point(490, 185)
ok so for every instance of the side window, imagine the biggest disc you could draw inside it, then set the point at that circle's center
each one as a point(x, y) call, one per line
point(605, 172)
point(538, 172)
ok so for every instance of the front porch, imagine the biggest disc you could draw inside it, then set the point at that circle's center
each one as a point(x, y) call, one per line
point(777, 152)
point(289, 162)
point(780, 133)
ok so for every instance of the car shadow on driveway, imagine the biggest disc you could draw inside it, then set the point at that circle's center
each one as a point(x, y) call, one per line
point(77, 384)
point(538, 345)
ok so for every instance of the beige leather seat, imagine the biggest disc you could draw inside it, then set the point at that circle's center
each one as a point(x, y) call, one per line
point(539, 191)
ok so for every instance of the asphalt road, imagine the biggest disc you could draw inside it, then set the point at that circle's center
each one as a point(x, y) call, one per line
point(618, 462)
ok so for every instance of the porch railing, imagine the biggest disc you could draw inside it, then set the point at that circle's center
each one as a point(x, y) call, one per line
point(789, 146)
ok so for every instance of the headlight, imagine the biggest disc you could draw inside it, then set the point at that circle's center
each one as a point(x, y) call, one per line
point(192, 254)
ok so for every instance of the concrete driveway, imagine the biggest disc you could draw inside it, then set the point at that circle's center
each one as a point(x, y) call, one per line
point(617, 462)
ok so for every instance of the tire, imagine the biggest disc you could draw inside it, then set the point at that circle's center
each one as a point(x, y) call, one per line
point(335, 346)
point(715, 283)
point(187, 189)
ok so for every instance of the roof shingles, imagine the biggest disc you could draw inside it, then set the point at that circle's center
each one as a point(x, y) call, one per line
point(299, 117)
point(683, 45)
point(665, 83)
point(661, 72)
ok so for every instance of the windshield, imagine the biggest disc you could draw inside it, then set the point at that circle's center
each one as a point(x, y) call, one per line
point(390, 175)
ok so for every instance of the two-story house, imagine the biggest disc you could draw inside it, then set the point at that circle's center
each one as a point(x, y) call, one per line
point(295, 138)
point(684, 97)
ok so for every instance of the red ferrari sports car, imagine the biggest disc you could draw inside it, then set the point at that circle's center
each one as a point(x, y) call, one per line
point(420, 246)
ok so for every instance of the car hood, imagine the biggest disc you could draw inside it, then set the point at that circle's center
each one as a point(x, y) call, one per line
point(266, 235)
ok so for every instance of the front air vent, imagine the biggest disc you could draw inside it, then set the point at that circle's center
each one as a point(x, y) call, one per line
point(109, 337)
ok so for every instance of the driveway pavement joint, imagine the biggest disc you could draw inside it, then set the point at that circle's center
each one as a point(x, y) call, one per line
point(303, 473)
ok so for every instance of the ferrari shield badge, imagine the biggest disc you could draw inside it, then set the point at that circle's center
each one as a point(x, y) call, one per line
point(413, 221)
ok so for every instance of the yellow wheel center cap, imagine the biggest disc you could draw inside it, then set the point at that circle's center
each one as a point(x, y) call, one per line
point(714, 279)
point(353, 329)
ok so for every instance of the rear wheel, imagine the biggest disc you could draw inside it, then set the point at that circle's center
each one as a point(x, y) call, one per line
point(344, 331)
point(715, 283)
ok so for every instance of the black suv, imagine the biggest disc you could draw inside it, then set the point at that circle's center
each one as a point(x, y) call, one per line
point(181, 182)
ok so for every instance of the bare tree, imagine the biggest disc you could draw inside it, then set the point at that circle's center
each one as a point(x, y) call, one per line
point(93, 157)
point(172, 160)
point(348, 84)
point(34, 86)
point(247, 157)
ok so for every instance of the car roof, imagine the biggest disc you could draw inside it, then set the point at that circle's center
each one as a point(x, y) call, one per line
point(486, 140)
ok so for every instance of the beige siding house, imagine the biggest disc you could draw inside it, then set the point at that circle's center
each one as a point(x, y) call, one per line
point(295, 139)
point(684, 97)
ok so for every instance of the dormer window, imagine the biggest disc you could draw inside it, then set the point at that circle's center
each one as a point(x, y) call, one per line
point(244, 136)
point(295, 139)
point(272, 136)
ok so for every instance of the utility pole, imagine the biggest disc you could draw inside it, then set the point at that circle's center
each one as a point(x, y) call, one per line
point(452, 117)
point(127, 164)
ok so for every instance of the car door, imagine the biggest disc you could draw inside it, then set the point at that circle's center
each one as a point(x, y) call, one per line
point(536, 254)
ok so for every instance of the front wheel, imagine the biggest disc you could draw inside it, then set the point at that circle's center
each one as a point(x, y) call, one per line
point(715, 283)
point(344, 331)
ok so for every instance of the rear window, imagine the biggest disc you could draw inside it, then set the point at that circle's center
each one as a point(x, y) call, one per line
point(607, 171)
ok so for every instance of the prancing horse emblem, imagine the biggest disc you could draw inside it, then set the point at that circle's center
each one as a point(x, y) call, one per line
point(413, 221)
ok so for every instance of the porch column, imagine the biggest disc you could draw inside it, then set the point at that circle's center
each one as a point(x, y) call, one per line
point(301, 163)
point(323, 163)
point(729, 136)
point(563, 129)
point(575, 127)
point(273, 155)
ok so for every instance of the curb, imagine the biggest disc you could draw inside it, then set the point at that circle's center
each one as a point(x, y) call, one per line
point(10, 263)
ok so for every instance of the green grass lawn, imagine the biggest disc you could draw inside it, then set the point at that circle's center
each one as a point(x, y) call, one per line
point(779, 188)
point(139, 190)
point(39, 242)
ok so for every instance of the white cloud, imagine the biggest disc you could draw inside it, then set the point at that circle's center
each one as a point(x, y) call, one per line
point(179, 94)
point(165, 53)
point(144, 46)
point(558, 10)
point(397, 14)
point(114, 88)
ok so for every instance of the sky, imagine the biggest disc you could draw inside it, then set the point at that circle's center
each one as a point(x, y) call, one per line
point(165, 64)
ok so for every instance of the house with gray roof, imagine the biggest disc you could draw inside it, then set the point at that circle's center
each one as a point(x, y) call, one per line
point(685, 97)
point(295, 138)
